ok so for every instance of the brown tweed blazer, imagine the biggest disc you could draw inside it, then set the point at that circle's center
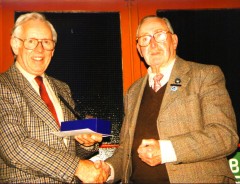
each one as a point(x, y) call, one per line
point(198, 119)
point(29, 153)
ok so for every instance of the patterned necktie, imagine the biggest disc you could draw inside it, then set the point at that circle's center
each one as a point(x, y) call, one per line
point(157, 80)
point(45, 97)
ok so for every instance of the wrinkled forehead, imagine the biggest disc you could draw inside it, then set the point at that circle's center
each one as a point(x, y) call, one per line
point(151, 25)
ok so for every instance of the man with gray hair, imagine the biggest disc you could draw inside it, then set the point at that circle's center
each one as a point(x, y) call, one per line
point(179, 123)
point(31, 110)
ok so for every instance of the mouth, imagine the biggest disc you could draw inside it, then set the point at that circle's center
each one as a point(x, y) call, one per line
point(154, 53)
point(37, 58)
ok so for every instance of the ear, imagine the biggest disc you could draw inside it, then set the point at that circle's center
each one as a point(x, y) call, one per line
point(139, 50)
point(175, 41)
point(15, 45)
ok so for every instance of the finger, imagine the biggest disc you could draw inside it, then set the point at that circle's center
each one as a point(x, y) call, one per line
point(144, 149)
point(84, 141)
point(149, 162)
point(92, 138)
point(147, 142)
point(107, 169)
point(144, 143)
point(79, 139)
point(96, 137)
point(97, 164)
point(99, 179)
point(149, 155)
point(87, 138)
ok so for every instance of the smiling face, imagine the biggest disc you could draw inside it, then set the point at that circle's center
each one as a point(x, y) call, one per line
point(157, 55)
point(37, 60)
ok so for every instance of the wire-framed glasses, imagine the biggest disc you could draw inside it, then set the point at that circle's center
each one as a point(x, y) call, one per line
point(160, 37)
point(32, 43)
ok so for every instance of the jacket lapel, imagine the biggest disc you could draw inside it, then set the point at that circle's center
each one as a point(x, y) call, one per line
point(57, 90)
point(179, 71)
point(136, 98)
point(33, 99)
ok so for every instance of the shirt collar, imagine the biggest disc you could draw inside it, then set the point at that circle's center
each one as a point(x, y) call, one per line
point(27, 75)
point(166, 71)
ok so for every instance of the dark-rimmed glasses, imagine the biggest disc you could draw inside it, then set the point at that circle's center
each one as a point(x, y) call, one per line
point(32, 43)
point(160, 37)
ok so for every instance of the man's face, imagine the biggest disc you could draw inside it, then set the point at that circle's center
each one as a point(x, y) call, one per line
point(33, 61)
point(156, 54)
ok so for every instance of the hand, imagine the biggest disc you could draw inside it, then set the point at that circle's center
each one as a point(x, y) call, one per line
point(103, 165)
point(149, 152)
point(87, 172)
point(88, 139)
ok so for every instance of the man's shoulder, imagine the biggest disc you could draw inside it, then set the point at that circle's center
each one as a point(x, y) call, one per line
point(56, 81)
point(136, 86)
point(58, 84)
point(196, 64)
point(10, 76)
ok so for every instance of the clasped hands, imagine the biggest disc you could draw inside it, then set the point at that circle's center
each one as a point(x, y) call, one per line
point(88, 171)
point(149, 152)
point(98, 172)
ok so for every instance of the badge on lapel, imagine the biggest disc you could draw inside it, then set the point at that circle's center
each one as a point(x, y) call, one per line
point(174, 87)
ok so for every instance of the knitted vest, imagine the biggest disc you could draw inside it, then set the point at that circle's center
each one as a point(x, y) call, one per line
point(146, 128)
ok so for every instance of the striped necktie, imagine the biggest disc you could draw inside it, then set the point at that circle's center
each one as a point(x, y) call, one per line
point(157, 78)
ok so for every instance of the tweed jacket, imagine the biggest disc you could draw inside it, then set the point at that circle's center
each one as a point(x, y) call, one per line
point(198, 119)
point(29, 152)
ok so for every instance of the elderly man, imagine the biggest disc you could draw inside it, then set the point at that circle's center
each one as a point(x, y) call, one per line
point(179, 123)
point(31, 110)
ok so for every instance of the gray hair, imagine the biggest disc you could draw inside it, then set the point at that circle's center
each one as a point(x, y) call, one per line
point(33, 16)
point(169, 26)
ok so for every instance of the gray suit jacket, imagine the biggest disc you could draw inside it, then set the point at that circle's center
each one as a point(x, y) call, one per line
point(198, 119)
point(29, 152)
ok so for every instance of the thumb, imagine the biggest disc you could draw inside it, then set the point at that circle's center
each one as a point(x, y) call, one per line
point(97, 164)
point(147, 142)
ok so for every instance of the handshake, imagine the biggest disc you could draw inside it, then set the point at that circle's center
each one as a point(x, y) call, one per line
point(88, 171)
point(92, 172)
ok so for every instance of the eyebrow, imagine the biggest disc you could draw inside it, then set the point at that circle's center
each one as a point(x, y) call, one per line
point(158, 30)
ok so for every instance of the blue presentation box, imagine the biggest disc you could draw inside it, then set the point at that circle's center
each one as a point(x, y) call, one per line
point(97, 125)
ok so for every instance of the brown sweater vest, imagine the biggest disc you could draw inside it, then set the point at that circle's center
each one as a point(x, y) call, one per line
point(146, 128)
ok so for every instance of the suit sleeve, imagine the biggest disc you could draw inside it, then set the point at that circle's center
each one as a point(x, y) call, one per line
point(205, 119)
point(118, 160)
point(22, 148)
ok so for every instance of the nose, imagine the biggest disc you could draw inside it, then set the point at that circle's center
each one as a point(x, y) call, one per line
point(153, 42)
point(39, 47)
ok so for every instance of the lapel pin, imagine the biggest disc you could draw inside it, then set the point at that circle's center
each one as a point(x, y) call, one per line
point(177, 82)
point(174, 87)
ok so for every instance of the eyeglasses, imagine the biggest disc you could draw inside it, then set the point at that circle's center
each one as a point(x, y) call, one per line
point(160, 36)
point(32, 43)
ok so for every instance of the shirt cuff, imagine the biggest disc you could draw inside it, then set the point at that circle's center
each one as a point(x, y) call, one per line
point(111, 177)
point(167, 151)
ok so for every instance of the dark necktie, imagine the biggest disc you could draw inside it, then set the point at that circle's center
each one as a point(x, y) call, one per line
point(157, 80)
point(45, 97)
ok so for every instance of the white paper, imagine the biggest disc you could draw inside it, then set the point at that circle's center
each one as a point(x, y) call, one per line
point(76, 132)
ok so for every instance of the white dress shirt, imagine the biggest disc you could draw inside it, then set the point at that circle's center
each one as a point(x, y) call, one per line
point(51, 94)
point(167, 150)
